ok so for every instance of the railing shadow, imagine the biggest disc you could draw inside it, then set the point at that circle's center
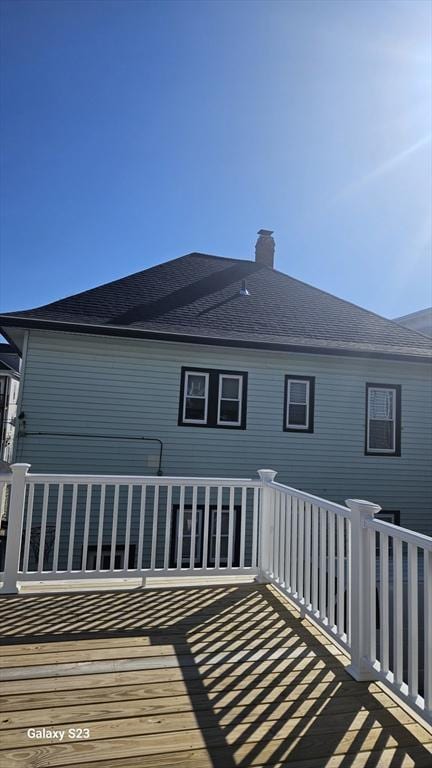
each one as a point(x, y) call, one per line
point(264, 687)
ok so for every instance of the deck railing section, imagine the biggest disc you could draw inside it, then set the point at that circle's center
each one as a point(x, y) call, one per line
point(75, 527)
point(366, 582)
point(305, 551)
point(399, 645)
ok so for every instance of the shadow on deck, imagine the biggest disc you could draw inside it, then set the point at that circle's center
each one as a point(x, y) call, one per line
point(191, 677)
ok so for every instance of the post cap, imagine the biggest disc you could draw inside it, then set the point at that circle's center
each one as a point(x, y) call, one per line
point(267, 475)
point(23, 468)
point(366, 508)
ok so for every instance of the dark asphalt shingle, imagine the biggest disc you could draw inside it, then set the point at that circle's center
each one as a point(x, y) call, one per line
point(199, 295)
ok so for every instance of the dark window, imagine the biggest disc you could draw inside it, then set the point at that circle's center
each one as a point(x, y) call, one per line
point(199, 536)
point(299, 403)
point(212, 398)
point(383, 405)
point(389, 516)
point(105, 561)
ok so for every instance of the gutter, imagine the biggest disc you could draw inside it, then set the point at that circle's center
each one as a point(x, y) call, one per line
point(103, 330)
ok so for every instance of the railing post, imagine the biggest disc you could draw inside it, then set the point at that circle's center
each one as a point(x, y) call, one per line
point(5, 478)
point(266, 523)
point(15, 527)
point(361, 586)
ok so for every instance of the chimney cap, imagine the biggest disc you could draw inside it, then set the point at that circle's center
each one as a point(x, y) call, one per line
point(267, 232)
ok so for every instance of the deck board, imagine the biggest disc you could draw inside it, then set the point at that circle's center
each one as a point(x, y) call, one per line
point(225, 677)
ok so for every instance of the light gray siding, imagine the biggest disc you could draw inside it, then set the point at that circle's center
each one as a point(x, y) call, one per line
point(91, 384)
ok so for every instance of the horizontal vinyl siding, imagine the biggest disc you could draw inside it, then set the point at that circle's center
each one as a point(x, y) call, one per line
point(76, 383)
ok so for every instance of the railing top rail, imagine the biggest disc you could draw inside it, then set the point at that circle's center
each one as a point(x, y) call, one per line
point(404, 534)
point(338, 509)
point(72, 479)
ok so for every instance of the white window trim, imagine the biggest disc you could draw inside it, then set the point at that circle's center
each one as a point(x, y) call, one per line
point(300, 427)
point(368, 420)
point(238, 400)
point(205, 398)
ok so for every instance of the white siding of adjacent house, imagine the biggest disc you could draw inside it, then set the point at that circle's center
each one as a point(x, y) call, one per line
point(83, 383)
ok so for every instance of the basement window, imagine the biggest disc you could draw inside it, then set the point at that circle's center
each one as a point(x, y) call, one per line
point(383, 428)
point(212, 398)
point(299, 403)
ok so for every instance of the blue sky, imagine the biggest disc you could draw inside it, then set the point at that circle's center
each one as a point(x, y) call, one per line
point(133, 132)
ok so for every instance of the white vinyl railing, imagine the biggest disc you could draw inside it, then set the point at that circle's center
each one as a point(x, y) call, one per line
point(306, 553)
point(366, 582)
point(400, 638)
point(74, 527)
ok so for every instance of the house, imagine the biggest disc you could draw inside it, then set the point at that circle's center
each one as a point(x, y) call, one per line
point(208, 366)
point(420, 321)
point(9, 385)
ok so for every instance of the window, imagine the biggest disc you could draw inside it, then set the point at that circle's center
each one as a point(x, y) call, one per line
point(299, 403)
point(224, 536)
point(229, 400)
point(383, 419)
point(187, 536)
point(105, 562)
point(389, 516)
point(195, 404)
point(212, 398)
point(199, 536)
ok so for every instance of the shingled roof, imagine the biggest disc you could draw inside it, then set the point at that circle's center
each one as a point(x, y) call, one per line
point(198, 297)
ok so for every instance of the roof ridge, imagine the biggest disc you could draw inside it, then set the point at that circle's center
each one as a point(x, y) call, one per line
point(214, 256)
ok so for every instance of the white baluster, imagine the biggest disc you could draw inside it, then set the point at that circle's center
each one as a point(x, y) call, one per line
point(412, 621)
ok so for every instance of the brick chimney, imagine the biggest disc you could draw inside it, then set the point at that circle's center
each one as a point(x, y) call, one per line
point(265, 248)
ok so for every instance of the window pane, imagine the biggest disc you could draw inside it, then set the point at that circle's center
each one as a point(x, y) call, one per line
point(298, 390)
point(225, 523)
point(195, 408)
point(297, 415)
point(230, 387)
point(186, 550)
point(196, 385)
point(381, 435)
point(381, 404)
point(224, 550)
point(229, 410)
point(187, 523)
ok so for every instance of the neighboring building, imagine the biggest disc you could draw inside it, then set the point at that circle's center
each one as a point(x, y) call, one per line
point(420, 321)
point(9, 386)
point(234, 366)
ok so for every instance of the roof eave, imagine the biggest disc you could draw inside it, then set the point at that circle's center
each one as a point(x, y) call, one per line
point(105, 330)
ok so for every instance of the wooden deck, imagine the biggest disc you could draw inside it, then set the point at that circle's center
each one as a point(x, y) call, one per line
point(191, 677)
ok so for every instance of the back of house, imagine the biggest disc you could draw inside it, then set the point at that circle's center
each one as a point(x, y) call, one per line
point(215, 367)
